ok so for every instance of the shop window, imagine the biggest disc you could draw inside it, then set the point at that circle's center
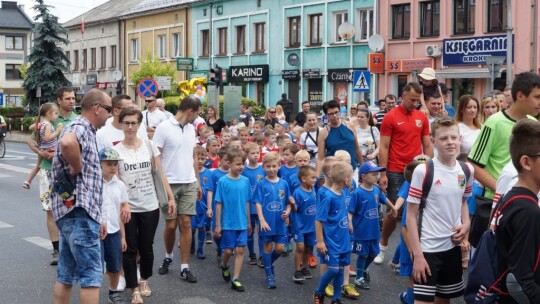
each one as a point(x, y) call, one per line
point(339, 19)
point(496, 15)
point(294, 31)
point(205, 47)
point(365, 25)
point(402, 81)
point(401, 16)
point(464, 16)
point(241, 39)
point(429, 18)
point(315, 29)
point(259, 37)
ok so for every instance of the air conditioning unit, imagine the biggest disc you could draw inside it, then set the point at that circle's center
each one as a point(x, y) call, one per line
point(433, 51)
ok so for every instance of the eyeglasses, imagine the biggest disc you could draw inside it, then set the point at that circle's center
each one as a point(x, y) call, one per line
point(149, 100)
point(333, 113)
point(130, 123)
point(273, 112)
point(105, 107)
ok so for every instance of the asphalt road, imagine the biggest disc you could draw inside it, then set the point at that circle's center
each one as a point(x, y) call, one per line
point(25, 252)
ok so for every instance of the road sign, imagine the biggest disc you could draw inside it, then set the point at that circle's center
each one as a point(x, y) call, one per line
point(147, 87)
point(164, 82)
point(184, 64)
point(361, 81)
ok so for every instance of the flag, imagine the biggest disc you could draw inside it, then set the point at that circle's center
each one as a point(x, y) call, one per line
point(82, 25)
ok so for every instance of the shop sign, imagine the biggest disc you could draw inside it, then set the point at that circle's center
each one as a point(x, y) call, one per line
point(340, 75)
point(290, 74)
point(408, 65)
point(376, 63)
point(311, 73)
point(249, 73)
point(474, 50)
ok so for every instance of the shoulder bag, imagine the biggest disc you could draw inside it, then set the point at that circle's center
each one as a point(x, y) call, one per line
point(161, 193)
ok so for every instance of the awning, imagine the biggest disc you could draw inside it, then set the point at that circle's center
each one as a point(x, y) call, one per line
point(467, 73)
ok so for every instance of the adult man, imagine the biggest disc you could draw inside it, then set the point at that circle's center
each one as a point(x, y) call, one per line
point(446, 99)
point(80, 223)
point(435, 107)
point(245, 117)
point(404, 135)
point(65, 98)
point(152, 116)
point(287, 106)
point(508, 98)
point(112, 132)
point(300, 119)
point(390, 104)
point(160, 103)
point(175, 138)
point(381, 104)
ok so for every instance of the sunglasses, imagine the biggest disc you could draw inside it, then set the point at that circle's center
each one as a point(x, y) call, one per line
point(105, 107)
point(273, 112)
point(353, 109)
point(149, 100)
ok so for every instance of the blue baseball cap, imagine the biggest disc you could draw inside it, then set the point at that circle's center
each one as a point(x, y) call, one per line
point(369, 166)
point(108, 154)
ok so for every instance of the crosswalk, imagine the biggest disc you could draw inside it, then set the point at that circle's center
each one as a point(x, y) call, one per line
point(17, 161)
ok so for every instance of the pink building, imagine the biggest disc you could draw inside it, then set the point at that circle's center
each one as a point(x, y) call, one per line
point(454, 37)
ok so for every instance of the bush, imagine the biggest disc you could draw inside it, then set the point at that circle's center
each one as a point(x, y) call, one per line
point(13, 112)
point(14, 124)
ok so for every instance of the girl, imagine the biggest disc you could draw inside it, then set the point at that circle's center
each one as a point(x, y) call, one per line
point(46, 135)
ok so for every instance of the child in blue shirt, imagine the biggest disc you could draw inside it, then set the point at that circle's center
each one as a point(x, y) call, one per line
point(301, 159)
point(288, 169)
point(364, 219)
point(233, 193)
point(199, 220)
point(333, 238)
point(273, 207)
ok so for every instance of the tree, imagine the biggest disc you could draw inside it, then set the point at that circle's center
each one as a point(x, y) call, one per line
point(47, 60)
point(152, 67)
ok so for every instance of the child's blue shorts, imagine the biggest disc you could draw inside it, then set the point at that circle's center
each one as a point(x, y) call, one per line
point(231, 239)
point(309, 239)
point(366, 248)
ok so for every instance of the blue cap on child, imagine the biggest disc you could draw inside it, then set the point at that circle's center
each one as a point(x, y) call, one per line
point(108, 154)
point(369, 166)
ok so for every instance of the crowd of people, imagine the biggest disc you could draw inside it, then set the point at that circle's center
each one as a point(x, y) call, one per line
point(277, 181)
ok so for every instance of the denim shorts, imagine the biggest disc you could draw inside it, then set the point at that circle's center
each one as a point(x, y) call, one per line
point(231, 239)
point(111, 251)
point(80, 250)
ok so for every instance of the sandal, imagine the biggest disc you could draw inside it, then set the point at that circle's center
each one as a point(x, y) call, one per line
point(145, 288)
point(136, 298)
point(26, 185)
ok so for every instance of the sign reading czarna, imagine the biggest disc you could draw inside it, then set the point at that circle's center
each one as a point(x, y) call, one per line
point(473, 50)
point(249, 73)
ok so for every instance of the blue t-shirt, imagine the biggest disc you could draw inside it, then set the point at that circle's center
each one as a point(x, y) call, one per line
point(205, 177)
point(211, 186)
point(364, 207)
point(404, 193)
point(233, 195)
point(321, 194)
point(333, 216)
point(273, 198)
point(450, 110)
point(306, 209)
point(285, 173)
point(254, 175)
point(295, 183)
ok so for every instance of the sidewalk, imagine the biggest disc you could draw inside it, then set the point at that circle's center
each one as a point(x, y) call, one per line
point(17, 136)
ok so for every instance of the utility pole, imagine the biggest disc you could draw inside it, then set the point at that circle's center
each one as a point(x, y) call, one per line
point(509, 44)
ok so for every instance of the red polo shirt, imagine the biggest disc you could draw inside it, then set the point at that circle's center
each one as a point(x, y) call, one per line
point(405, 130)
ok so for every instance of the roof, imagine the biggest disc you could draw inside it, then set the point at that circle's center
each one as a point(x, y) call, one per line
point(109, 10)
point(150, 5)
point(12, 16)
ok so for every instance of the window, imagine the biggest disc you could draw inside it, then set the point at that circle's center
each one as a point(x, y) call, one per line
point(205, 43)
point(103, 57)
point(429, 18)
point(93, 59)
point(84, 64)
point(464, 16)
point(315, 29)
point(496, 15)
point(222, 41)
point(365, 29)
point(162, 46)
point(12, 72)
point(76, 60)
point(176, 46)
point(241, 39)
point(401, 15)
point(339, 19)
point(68, 55)
point(294, 31)
point(134, 50)
point(14, 42)
point(259, 37)
point(113, 56)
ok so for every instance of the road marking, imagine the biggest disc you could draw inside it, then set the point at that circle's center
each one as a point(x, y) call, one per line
point(20, 152)
point(15, 168)
point(5, 225)
point(10, 157)
point(41, 242)
point(4, 175)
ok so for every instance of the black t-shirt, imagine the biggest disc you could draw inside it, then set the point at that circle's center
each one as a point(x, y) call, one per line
point(301, 119)
point(245, 118)
point(217, 125)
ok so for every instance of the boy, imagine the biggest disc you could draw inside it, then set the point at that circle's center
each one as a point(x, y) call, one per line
point(301, 159)
point(116, 207)
point(331, 225)
point(364, 220)
point(243, 133)
point(232, 215)
point(258, 138)
point(282, 140)
point(304, 223)
point(225, 136)
point(282, 129)
point(445, 219)
point(254, 172)
point(289, 168)
point(258, 126)
point(235, 142)
point(273, 207)
point(271, 146)
point(204, 132)
point(199, 221)
point(212, 146)
point(297, 132)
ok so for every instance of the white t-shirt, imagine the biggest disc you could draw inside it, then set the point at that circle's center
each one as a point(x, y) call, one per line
point(443, 205)
point(311, 145)
point(108, 136)
point(167, 114)
point(153, 119)
point(135, 170)
point(114, 193)
point(366, 140)
point(177, 150)
point(468, 137)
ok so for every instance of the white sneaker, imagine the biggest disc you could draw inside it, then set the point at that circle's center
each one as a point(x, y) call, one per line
point(379, 259)
point(352, 271)
point(121, 284)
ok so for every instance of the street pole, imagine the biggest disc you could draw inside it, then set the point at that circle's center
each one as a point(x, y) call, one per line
point(509, 44)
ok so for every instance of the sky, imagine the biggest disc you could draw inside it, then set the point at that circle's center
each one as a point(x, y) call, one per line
point(65, 10)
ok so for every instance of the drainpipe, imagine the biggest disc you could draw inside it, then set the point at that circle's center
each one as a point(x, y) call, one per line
point(509, 29)
point(534, 67)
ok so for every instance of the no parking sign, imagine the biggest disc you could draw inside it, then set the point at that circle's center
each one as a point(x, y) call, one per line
point(147, 87)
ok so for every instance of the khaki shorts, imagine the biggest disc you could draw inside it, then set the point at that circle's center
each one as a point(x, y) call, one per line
point(185, 196)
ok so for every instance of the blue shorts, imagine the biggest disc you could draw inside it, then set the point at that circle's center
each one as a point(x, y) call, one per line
point(111, 251)
point(405, 262)
point(231, 239)
point(278, 239)
point(309, 239)
point(335, 259)
point(80, 250)
point(198, 221)
point(366, 248)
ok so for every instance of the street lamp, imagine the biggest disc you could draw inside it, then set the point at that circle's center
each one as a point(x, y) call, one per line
point(494, 64)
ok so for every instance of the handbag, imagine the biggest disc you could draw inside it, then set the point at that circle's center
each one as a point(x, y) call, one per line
point(161, 193)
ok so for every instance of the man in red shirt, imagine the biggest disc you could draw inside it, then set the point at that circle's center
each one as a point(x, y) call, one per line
point(404, 135)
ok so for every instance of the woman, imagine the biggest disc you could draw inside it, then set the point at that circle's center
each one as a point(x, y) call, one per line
point(279, 113)
point(467, 118)
point(270, 117)
point(489, 106)
point(308, 139)
point(354, 112)
point(368, 136)
point(135, 171)
point(213, 120)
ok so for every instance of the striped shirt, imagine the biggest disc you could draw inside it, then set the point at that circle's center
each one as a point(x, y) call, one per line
point(379, 117)
point(88, 183)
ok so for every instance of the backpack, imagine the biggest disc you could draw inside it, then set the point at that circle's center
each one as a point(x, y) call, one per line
point(484, 279)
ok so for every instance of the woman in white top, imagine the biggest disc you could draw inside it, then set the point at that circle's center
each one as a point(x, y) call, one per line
point(308, 139)
point(368, 136)
point(135, 171)
point(467, 118)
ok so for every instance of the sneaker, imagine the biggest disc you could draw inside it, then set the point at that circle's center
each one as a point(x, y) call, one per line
point(252, 259)
point(236, 285)
point(270, 282)
point(402, 298)
point(226, 273)
point(312, 261)
point(367, 277)
point(116, 298)
point(121, 284)
point(298, 277)
point(306, 273)
point(361, 283)
point(164, 268)
point(318, 298)
point(260, 263)
point(379, 259)
point(329, 291)
point(395, 267)
point(208, 238)
point(188, 276)
point(54, 260)
point(200, 255)
point(352, 271)
point(349, 291)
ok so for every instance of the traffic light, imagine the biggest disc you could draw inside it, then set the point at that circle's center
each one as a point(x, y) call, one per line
point(216, 75)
